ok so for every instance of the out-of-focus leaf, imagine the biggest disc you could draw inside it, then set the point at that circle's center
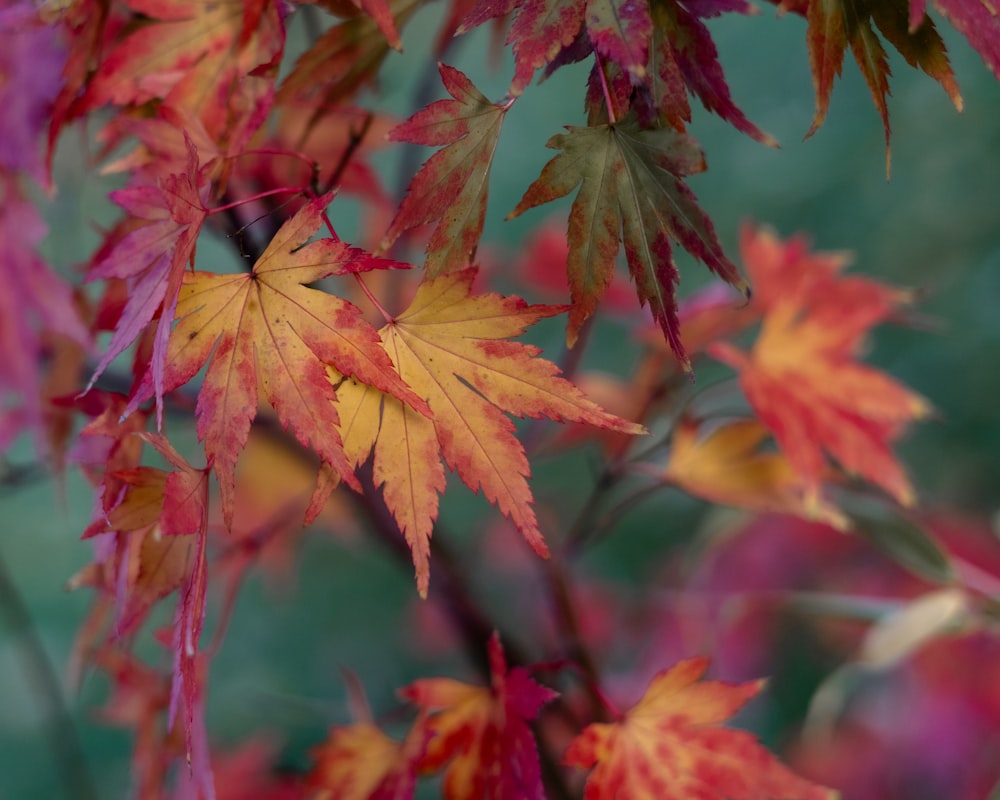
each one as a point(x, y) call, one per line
point(903, 631)
point(902, 539)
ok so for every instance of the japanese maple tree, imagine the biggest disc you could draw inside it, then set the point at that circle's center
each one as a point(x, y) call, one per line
point(336, 384)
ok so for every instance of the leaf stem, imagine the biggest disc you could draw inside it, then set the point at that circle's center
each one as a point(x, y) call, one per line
point(590, 523)
point(371, 297)
point(612, 119)
point(259, 196)
point(277, 151)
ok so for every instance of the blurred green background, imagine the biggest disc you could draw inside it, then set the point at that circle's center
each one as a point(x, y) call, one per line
point(935, 226)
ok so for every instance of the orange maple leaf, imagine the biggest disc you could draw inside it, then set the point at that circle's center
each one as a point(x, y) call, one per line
point(670, 746)
point(802, 377)
point(449, 346)
point(727, 466)
point(264, 331)
point(481, 732)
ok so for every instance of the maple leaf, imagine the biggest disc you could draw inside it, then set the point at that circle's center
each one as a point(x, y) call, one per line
point(727, 467)
point(263, 331)
point(541, 29)
point(620, 31)
point(185, 512)
point(835, 24)
point(670, 746)
point(452, 186)
point(34, 300)
point(630, 191)
point(31, 59)
point(160, 536)
point(165, 140)
point(480, 734)
point(449, 346)
point(345, 58)
point(682, 58)
point(977, 20)
point(808, 336)
point(186, 42)
point(138, 697)
point(84, 23)
point(359, 762)
point(145, 566)
point(151, 258)
point(215, 61)
point(659, 49)
point(381, 12)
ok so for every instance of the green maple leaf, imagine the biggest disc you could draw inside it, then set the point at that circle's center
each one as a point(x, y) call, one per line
point(631, 192)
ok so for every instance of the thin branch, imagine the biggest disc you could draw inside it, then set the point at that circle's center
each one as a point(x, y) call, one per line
point(353, 143)
point(569, 622)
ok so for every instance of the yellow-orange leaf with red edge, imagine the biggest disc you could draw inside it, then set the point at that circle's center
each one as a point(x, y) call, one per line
point(480, 734)
point(671, 746)
point(359, 762)
point(266, 332)
point(451, 347)
point(727, 466)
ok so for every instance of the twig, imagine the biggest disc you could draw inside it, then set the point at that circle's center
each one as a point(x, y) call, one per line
point(353, 143)
point(578, 651)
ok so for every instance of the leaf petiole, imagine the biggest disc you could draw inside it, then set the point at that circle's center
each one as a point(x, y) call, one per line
point(269, 193)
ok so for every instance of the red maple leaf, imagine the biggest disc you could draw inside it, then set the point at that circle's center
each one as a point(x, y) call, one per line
point(977, 20)
point(480, 734)
point(209, 59)
point(151, 259)
point(34, 300)
point(452, 186)
point(160, 535)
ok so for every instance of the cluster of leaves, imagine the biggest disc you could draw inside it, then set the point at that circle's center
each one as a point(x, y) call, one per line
point(295, 390)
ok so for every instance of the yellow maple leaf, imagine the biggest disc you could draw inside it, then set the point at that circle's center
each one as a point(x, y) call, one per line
point(728, 466)
point(450, 347)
